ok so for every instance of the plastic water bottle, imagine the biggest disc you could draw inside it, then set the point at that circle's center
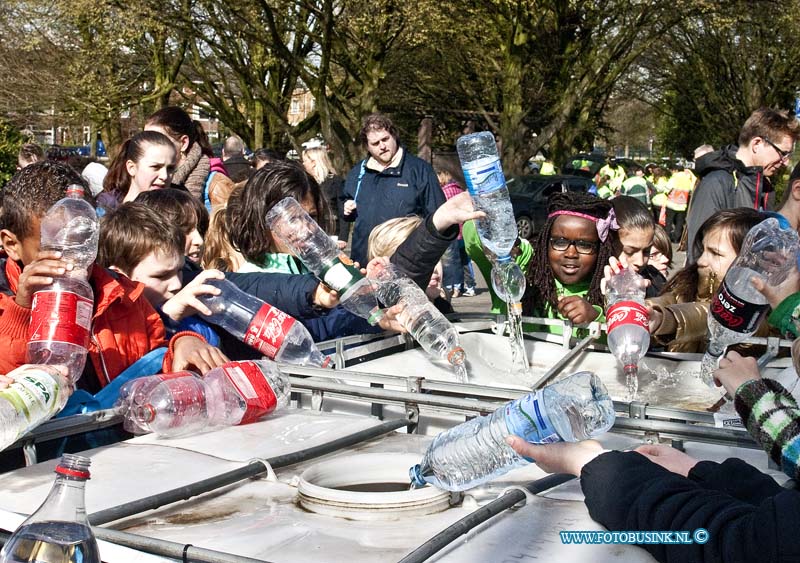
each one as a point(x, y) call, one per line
point(61, 314)
point(509, 284)
point(135, 393)
point(289, 223)
point(572, 409)
point(768, 252)
point(260, 325)
point(628, 324)
point(487, 186)
point(58, 532)
point(38, 393)
point(420, 317)
point(236, 393)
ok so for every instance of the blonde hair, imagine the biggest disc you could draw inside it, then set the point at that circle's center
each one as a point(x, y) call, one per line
point(218, 251)
point(322, 164)
point(386, 237)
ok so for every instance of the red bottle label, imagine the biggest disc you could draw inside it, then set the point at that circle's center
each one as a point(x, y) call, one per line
point(253, 387)
point(627, 313)
point(735, 314)
point(268, 329)
point(60, 316)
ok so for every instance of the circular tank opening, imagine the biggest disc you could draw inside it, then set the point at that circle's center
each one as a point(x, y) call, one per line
point(368, 487)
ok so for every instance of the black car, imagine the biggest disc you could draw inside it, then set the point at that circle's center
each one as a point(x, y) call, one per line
point(529, 197)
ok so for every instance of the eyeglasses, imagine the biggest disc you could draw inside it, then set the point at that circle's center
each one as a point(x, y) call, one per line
point(561, 244)
point(783, 154)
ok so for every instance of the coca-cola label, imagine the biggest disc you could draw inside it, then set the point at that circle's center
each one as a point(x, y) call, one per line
point(253, 388)
point(627, 313)
point(736, 314)
point(60, 316)
point(340, 274)
point(527, 418)
point(268, 329)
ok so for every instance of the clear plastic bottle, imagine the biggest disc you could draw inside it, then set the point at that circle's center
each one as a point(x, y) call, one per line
point(768, 252)
point(236, 393)
point(487, 186)
point(260, 325)
point(628, 324)
point(420, 317)
point(572, 409)
point(289, 223)
point(38, 393)
point(58, 532)
point(61, 314)
point(135, 393)
point(509, 283)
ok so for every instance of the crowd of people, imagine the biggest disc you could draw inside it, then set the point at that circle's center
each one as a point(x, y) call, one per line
point(173, 217)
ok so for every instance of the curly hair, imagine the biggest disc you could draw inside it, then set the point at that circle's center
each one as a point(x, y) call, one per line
point(541, 281)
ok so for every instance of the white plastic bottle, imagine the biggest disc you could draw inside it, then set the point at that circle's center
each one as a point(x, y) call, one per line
point(61, 314)
point(135, 393)
point(572, 409)
point(628, 324)
point(738, 308)
point(236, 393)
point(437, 336)
point(289, 223)
point(37, 394)
point(260, 325)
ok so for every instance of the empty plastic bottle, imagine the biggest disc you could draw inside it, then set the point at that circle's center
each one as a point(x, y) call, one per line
point(236, 393)
point(509, 284)
point(58, 532)
point(768, 252)
point(420, 317)
point(38, 393)
point(135, 393)
point(628, 324)
point(61, 314)
point(572, 409)
point(260, 325)
point(289, 223)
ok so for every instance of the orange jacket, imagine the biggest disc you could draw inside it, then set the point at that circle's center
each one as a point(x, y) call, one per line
point(125, 326)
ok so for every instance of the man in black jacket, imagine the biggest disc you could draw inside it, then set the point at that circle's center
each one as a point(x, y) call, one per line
point(738, 175)
point(238, 167)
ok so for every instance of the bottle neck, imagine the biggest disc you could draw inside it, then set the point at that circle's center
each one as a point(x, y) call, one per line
point(66, 502)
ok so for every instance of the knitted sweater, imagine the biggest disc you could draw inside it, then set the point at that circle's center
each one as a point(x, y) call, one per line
point(772, 418)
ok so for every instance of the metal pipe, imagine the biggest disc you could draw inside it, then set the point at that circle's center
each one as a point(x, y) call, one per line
point(474, 519)
point(689, 432)
point(559, 365)
point(250, 470)
point(69, 426)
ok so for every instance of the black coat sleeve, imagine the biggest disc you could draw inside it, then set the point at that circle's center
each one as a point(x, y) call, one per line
point(418, 255)
point(626, 491)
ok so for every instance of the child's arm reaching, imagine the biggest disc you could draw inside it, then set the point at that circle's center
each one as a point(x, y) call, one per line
point(185, 303)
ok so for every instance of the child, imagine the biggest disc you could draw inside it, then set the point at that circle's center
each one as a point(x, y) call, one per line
point(219, 253)
point(679, 316)
point(136, 242)
point(661, 252)
point(564, 275)
point(145, 162)
point(125, 327)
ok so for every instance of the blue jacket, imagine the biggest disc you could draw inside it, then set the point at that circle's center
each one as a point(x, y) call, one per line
point(410, 188)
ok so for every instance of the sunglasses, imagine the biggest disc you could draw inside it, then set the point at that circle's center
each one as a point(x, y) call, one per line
point(783, 154)
point(582, 246)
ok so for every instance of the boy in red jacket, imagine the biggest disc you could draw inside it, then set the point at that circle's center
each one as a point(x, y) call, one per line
point(125, 326)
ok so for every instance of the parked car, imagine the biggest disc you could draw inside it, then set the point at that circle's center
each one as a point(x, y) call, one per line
point(529, 197)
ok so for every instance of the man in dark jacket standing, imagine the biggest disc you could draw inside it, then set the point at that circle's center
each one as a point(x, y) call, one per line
point(238, 167)
point(389, 183)
point(738, 175)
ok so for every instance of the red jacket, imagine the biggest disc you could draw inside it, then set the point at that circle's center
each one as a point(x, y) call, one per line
point(125, 326)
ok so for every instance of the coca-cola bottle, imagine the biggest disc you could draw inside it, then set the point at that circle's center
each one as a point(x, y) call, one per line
point(236, 393)
point(135, 393)
point(261, 326)
point(58, 532)
point(768, 252)
point(627, 324)
point(61, 314)
point(289, 223)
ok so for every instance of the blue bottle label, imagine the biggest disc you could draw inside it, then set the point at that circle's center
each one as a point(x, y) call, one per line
point(484, 176)
point(527, 418)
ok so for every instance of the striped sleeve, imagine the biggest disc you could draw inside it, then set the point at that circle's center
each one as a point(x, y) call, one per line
point(772, 418)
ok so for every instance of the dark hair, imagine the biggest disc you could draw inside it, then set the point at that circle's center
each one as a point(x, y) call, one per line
point(377, 122)
point(266, 155)
point(30, 153)
point(541, 281)
point(33, 190)
point(662, 243)
point(117, 182)
point(178, 207)
point(132, 231)
point(632, 215)
point(737, 222)
point(247, 221)
point(177, 123)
